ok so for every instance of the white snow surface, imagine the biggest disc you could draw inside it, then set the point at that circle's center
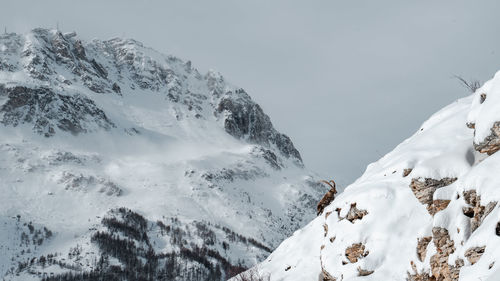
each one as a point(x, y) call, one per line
point(162, 159)
point(442, 147)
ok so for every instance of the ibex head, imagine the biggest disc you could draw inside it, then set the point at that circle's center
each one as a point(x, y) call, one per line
point(331, 183)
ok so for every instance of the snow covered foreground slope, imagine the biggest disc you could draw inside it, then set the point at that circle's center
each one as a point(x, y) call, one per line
point(426, 211)
point(120, 163)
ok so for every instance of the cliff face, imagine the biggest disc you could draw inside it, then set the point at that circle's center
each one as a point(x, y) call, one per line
point(429, 208)
point(121, 163)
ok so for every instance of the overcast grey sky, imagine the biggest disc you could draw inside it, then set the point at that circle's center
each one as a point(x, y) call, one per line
point(346, 80)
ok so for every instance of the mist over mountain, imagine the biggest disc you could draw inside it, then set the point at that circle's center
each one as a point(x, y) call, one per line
point(121, 163)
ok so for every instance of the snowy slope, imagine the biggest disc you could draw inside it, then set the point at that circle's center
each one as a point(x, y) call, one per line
point(426, 211)
point(115, 158)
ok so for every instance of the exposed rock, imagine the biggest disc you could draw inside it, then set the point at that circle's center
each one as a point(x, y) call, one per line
point(475, 210)
point(109, 188)
point(474, 254)
point(424, 192)
point(61, 157)
point(86, 183)
point(356, 252)
point(406, 172)
point(116, 88)
point(471, 197)
point(483, 98)
point(442, 240)
point(271, 158)
point(64, 52)
point(47, 111)
point(455, 270)
point(61, 47)
point(244, 119)
point(99, 69)
point(497, 229)
point(65, 157)
point(79, 50)
point(440, 268)
point(355, 213)
point(422, 244)
point(491, 143)
point(327, 198)
point(325, 276)
point(325, 229)
point(77, 182)
point(234, 173)
point(327, 214)
point(437, 205)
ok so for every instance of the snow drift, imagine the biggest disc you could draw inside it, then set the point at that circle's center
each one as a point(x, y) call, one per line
point(425, 211)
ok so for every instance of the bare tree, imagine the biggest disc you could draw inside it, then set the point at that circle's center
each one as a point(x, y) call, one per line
point(471, 85)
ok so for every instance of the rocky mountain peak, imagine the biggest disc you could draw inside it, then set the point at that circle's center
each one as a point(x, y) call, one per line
point(121, 163)
point(65, 64)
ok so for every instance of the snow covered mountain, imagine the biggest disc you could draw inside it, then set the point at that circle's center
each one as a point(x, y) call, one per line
point(427, 211)
point(120, 163)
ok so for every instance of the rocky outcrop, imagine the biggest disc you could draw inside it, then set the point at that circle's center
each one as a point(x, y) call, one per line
point(355, 213)
point(422, 244)
point(61, 49)
point(424, 191)
point(113, 66)
point(445, 246)
point(406, 172)
point(86, 183)
point(440, 269)
point(244, 119)
point(474, 254)
point(437, 205)
point(325, 230)
point(356, 252)
point(48, 111)
point(271, 158)
point(326, 276)
point(475, 211)
point(491, 143)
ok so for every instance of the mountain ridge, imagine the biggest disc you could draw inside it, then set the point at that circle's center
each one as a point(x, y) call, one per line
point(137, 165)
point(426, 211)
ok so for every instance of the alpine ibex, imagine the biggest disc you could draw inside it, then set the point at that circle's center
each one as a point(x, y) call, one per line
point(328, 197)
